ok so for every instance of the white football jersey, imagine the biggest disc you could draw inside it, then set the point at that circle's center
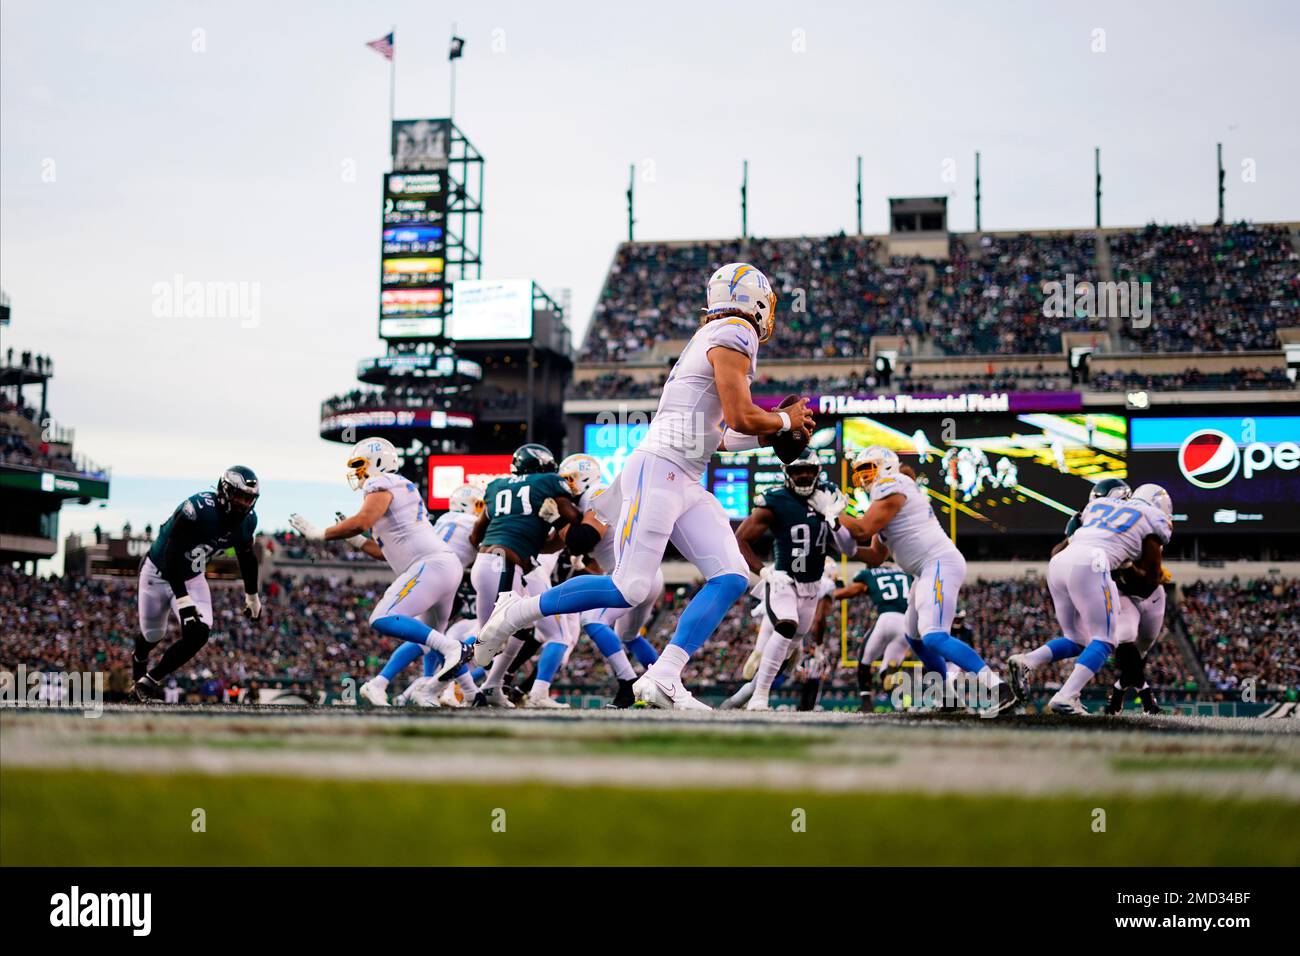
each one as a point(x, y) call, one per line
point(604, 552)
point(403, 531)
point(687, 427)
point(1117, 529)
point(914, 535)
point(454, 528)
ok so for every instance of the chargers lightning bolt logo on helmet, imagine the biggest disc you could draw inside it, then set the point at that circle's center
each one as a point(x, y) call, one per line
point(1208, 458)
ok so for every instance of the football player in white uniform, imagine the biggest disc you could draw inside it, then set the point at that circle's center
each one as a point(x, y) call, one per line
point(453, 527)
point(900, 520)
point(1112, 531)
point(428, 690)
point(705, 405)
point(427, 572)
point(600, 624)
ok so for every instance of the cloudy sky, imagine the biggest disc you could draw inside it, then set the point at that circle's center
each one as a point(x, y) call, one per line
point(245, 141)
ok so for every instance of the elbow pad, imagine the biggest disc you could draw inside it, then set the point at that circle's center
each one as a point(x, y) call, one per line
point(581, 538)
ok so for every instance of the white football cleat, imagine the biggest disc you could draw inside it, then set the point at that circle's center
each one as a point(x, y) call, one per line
point(454, 653)
point(546, 703)
point(758, 703)
point(424, 693)
point(667, 695)
point(493, 697)
point(1070, 706)
point(373, 695)
point(494, 634)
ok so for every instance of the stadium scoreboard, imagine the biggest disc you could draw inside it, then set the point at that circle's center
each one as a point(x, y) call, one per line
point(413, 257)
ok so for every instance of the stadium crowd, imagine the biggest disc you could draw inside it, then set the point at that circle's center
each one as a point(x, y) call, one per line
point(314, 634)
point(1193, 380)
point(1226, 288)
point(1244, 630)
point(989, 296)
point(836, 290)
point(1229, 287)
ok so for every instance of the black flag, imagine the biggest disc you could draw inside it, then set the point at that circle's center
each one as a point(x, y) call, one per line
point(457, 45)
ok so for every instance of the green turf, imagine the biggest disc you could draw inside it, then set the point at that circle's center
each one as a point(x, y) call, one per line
point(95, 818)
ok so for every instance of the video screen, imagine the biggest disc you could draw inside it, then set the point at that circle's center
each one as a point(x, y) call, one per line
point(731, 488)
point(1224, 473)
point(1003, 473)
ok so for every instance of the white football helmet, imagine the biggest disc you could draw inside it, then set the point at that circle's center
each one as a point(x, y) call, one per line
point(740, 289)
point(872, 463)
point(371, 456)
point(466, 498)
point(1156, 496)
point(581, 472)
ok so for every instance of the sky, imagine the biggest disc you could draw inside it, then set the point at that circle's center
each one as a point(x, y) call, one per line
point(245, 142)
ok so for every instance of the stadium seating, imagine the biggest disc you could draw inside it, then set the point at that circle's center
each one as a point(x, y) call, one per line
point(1245, 630)
point(1221, 288)
point(1225, 288)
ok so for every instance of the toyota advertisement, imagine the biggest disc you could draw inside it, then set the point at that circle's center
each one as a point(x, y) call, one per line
point(1224, 473)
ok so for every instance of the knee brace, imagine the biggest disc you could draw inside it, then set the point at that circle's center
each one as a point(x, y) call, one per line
point(1129, 662)
point(785, 628)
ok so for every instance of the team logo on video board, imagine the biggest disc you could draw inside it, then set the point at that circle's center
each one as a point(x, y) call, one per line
point(1208, 458)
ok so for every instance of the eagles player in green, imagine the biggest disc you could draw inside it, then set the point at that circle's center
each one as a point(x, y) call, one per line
point(172, 574)
point(886, 586)
point(803, 516)
point(520, 520)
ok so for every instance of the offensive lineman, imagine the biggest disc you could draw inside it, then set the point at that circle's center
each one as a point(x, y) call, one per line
point(172, 577)
point(901, 521)
point(803, 516)
point(583, 474)
point(427, 571)
point(1115, 528)
point(516, 525)
point(705, 405)
point(453, 528)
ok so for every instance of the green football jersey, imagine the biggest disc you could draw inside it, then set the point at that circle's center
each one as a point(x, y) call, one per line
point(887, 588)
point(512, 505)
point(801, 536)
point(201, 530)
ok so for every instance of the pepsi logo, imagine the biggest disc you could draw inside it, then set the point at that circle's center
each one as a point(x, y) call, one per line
point(1208, 458)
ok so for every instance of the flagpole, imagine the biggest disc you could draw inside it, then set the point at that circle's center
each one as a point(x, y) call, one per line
point(392, 98)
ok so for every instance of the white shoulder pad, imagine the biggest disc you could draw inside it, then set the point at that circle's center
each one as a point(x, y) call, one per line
point(381, 482)
point(734, 333)
point(890, 485)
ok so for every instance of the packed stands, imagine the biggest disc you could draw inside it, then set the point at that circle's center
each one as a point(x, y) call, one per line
point(989, 296)
point(1192, 380)
point(314, 633)
point(1220, 288)
point(1225, 288)
point(653, 291)
point(1246, 630)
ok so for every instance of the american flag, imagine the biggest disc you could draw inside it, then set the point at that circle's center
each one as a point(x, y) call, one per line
point(383, 45)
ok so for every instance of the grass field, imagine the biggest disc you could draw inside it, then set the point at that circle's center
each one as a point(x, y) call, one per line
point(453, 788)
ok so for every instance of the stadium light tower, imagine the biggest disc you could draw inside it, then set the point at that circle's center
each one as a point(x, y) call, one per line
point(1219, 221)
point(859, 195)
point(1096, 165)
point(977, 191)
point(744, 200)
point(631, 182)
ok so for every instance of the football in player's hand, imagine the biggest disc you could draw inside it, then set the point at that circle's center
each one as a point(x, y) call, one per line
point(788, 445)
